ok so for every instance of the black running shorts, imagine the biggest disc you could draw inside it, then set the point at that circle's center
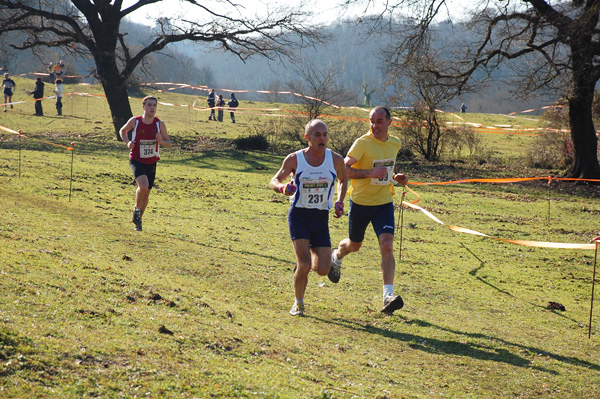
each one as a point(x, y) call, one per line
point(309, 224)
point(141, 169)
point(380, 216)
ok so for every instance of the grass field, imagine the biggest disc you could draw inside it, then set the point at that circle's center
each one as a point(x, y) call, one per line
point(196, 306)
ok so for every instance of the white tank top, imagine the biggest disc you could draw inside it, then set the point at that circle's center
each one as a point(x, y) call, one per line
point(315, 183)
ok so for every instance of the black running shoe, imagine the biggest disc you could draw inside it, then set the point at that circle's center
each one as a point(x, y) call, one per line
point(336, 269)
point(137, 219)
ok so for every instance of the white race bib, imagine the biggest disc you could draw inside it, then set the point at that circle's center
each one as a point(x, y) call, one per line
point(314, 194)
point(147, 148)
point(385, 180)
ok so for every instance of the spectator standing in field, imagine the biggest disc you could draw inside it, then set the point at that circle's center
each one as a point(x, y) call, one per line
point(148, 134)
point(314, 171)
point(58, 90)
point(38, 94)
point(210, 101)
point(463, 108)
point(9, 89)
point(370, 164)
point(220, 105)
point(232, 103)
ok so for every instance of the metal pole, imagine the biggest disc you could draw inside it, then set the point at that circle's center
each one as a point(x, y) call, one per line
point(401, 222)
point(72, 156)
point(19, 153)
point(549, 181)
point(593, 284)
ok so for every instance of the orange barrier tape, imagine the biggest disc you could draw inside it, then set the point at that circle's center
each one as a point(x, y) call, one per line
point(540, 244)
point(206, 88)
point(13, 103)
point(413, 193)
point(535, 109)
point(29, 101)
point(75, 93)
point(48, 74)
point(503, 180)
point(9, 130)
point(30, 138)
point(397, 121)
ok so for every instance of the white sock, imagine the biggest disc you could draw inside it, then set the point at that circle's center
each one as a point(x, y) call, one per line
point(388, 290)
point(299, 301)
point(335, 257)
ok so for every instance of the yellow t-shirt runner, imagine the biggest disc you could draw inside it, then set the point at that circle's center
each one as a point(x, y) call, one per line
point(370, 153)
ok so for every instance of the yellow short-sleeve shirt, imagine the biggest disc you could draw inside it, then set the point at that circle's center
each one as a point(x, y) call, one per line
point(370, 152)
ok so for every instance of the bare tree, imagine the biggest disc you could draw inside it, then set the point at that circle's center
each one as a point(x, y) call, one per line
point(367, 93)
point(275, 87)
point(424, 129)
point(560, 46)
point(557, 45)
point(94, 28)
point(319, 92)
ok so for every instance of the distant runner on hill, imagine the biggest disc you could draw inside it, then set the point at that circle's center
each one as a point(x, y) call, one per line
point(9, 89)
point(148, 134)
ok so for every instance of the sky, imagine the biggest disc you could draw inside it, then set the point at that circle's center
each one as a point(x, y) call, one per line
point(329, 11)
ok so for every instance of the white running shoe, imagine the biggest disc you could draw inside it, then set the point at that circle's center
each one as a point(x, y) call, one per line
point(297, 310)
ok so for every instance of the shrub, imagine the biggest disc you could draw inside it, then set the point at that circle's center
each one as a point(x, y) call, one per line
point(548, 151)
point(455, 140)
point(255, 142)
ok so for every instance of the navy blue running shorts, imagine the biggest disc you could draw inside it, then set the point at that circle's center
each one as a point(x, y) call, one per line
point(309, 224)
point(380, 216)
point(141, 169)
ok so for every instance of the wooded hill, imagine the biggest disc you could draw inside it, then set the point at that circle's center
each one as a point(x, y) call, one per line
point(352, 53)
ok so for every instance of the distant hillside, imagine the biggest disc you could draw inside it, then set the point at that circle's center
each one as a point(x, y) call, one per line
point(354, 55)
point(357, 56)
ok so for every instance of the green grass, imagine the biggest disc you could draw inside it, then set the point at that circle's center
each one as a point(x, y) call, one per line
point(84, 296)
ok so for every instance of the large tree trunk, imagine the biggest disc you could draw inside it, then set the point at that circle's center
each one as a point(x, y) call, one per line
point(585, 142)
point(114, 85)
point(118, 102)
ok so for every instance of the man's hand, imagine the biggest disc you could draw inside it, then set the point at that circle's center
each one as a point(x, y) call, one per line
point(289, 189)
point(130, 145)
point(379, 172)
point(339, 209)
point(401, 178)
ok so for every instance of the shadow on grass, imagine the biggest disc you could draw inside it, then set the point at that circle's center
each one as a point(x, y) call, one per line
point(228, 249)
point(482, 265)
point(468, 349)
point(218, 160)
point(540, 352)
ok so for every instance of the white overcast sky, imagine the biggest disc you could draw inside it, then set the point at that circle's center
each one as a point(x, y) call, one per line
point(326, 12)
